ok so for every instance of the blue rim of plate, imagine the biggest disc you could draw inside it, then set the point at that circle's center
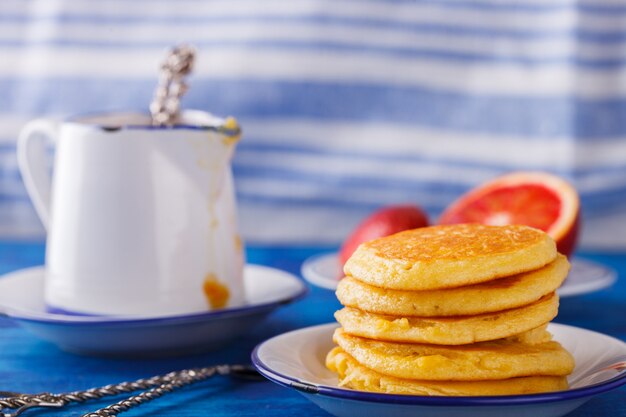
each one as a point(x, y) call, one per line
point(548, 397)
point(217, 314)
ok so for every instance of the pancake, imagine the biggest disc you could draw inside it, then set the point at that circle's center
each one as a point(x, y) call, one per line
point(533, 337)
point(496, 295)
point(450, 256)
point(356, 376)
point(498, 359)
point(449, 330)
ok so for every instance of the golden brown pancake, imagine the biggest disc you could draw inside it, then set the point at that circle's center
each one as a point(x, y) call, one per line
point(450, 256)
point(356, 376)
point(498, 359)
point(458, 330)
point(496, 295)
point(533, 337)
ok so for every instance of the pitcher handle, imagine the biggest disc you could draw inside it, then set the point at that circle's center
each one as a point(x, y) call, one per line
point(32, 162)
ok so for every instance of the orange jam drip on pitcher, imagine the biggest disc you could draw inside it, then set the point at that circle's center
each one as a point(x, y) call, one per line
point(217, 294)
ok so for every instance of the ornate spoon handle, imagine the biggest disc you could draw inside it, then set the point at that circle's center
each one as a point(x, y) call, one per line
point(165, 106)
point(154, 387)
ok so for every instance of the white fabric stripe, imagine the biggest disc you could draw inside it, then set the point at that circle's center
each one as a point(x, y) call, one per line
point(260, 223)
point(431, 143)
point(268, 64)
point(556, 153)
point(279, 188)
point(347, 166)
point(601, 182)
point(409, 140)
point(533, 48)
point(18, 220)
point(560, 19)
point(10, 126)
point(604, 233)
point(329, 165)
point(19, 4)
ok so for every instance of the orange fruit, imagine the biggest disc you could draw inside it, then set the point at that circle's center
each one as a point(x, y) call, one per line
point(384, 222)
point(537, 199)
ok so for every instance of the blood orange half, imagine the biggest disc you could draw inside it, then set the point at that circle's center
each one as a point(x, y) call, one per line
point(536, 199)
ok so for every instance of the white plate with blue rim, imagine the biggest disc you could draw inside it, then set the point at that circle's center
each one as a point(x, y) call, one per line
point(21, 298)
point(585, 276)
point(296, 360)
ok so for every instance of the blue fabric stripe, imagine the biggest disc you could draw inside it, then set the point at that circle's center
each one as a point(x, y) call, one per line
point(581, 34)
point(7, 146)
point(592, 205)
point(535, 118)
point(14, 198)
point(495, 57)
point(602, 202)
point(347, 182)
point(287, 202)
point(10, 175)
point(408, 184)
point(289, 148)
point(591, 208)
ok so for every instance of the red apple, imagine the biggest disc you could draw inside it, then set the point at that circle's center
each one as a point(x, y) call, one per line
point(384, 222)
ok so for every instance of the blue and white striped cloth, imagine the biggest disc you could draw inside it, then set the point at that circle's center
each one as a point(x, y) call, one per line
point(346, 105)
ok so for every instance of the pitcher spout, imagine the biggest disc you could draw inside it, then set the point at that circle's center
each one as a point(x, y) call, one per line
point(203, 154)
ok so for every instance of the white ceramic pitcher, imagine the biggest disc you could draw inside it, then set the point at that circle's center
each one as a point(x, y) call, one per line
point(141, 219)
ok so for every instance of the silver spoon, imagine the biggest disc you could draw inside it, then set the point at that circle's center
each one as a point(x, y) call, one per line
point(12, 404)
point(165, 106)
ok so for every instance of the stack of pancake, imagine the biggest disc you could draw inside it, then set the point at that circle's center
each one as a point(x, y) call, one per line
point(452, 310)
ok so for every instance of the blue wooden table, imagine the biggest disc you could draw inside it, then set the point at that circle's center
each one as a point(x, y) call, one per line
point(30, 365)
